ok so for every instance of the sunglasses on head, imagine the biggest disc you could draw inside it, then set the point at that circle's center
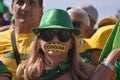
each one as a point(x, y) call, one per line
point(76, 23)
point(62, 35)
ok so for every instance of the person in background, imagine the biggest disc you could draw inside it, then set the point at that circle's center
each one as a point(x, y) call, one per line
point(54, 55)
point(109, 61)
point(98, 40)
point(90, 48)
point(7, 16)
point(80, 20)
point(27, 14)
point(11, 26)
point(93, 15)
point(107, 68)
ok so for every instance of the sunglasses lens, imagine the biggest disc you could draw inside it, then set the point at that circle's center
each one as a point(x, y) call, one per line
point(47, 35)
point(76, 24)
point(64, 35)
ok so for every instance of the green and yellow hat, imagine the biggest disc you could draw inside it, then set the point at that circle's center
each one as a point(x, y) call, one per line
point(97, 41)
point(55, 19)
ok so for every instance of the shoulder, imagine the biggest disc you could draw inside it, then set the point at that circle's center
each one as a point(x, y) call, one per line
point(5, 34)
point(88, 69)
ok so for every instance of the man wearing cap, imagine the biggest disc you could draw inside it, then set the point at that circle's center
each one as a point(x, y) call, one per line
point(110, 58)
point(90, 48)
point(99, 38)
point(16, 44)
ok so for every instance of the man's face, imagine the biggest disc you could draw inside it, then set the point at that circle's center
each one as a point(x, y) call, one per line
point(27, 12)
point(75, 17)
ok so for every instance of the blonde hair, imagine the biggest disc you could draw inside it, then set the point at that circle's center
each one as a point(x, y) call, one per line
point(33, 67)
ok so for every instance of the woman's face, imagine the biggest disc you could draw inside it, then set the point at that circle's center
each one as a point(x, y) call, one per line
point(55, 42)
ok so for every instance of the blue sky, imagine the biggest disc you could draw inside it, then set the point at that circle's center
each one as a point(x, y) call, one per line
point(105, 7)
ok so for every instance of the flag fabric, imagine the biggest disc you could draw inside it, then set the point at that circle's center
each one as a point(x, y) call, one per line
point(3, 7)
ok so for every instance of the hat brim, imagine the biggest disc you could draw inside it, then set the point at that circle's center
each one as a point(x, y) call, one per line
point(36, 31)
point(86, 44)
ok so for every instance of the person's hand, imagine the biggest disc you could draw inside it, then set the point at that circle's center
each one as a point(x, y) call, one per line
point(4, 78)
point(113, 56)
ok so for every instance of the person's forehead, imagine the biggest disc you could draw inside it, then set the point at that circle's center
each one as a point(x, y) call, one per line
point(76, 17)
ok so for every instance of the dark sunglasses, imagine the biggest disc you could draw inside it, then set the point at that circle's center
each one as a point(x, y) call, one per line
point(62, 35)
point(76, 23)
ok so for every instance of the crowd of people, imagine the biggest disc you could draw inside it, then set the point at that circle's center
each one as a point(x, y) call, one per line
point(58, 44)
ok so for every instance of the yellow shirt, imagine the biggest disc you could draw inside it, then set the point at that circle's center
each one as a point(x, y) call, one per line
point(24, 43)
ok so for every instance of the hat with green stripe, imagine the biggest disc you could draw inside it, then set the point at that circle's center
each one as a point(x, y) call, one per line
point(55, 19)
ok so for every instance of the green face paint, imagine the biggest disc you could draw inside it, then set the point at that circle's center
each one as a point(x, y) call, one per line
point(56, 47)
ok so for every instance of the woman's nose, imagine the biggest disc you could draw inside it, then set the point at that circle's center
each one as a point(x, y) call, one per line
point(55, 39)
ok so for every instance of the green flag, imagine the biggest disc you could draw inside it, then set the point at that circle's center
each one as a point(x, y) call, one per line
point(112, 43)
point(3, 7)
point(1, 1)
